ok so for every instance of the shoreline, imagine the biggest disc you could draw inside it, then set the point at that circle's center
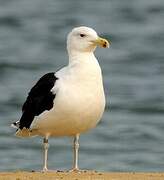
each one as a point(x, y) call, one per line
point(89, 175)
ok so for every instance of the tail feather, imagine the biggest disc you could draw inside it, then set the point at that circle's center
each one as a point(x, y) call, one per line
point(25, 132)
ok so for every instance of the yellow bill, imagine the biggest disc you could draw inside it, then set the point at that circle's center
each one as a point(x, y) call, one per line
point(104, 43)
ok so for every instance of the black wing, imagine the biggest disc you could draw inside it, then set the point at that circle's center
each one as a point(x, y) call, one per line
point(39, 99)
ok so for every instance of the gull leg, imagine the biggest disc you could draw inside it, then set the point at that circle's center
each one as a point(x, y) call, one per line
point(46, 146)
point(75, 153)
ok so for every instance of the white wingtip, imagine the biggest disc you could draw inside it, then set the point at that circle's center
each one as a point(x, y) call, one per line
point(13, 126)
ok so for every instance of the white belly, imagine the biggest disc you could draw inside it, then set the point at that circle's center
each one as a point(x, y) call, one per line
point(79, 102)
point(74, 112)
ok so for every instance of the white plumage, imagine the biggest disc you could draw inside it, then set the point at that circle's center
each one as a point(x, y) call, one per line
point(79, 101)
point(79, 94)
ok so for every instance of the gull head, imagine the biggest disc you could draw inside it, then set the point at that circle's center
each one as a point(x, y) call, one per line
point(85, 39)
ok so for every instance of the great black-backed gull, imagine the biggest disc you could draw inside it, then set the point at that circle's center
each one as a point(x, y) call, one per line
point(70, 101)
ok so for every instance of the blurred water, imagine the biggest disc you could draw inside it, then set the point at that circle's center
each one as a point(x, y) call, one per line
point(130, 136)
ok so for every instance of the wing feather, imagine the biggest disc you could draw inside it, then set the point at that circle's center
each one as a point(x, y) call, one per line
point(39, 99)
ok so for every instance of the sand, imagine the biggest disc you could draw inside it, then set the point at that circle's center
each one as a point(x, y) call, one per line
point(80, 176)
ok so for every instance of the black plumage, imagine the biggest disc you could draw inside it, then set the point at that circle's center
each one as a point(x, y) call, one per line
point(39, 99)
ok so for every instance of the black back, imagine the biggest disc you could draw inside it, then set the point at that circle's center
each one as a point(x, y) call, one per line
point(39, 99)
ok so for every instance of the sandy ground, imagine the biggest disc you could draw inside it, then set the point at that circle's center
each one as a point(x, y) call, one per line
point(79, 176)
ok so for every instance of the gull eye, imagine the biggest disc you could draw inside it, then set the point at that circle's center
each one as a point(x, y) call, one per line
point(82, 35)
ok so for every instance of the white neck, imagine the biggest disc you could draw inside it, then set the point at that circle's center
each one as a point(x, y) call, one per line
point(85, 66)
point(76, 56)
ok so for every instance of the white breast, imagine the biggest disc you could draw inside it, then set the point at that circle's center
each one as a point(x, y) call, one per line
point(79, 101)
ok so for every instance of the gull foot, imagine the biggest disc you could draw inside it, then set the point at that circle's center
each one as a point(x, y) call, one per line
point(77, 170)
point(45, 170)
